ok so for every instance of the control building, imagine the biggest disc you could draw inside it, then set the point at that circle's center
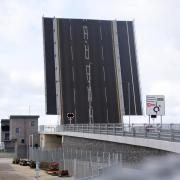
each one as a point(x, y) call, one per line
point(24, 128)
point(90, 70)
point(18, 132)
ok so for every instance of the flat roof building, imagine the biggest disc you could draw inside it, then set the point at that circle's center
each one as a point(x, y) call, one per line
point(22, 129)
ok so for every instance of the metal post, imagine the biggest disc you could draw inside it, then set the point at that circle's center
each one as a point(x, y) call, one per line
point(37, 171)
point(123, 131)
point(75, 169)
point(81, 155)
point(103, 157)
point(63, 159)
point(109, 160)
point(29, 149)
point(116, 159)
point(121, 160)
point(91, 164)
point(70, 119)
point(114, 129)
point(98, 163)
point(172, 133)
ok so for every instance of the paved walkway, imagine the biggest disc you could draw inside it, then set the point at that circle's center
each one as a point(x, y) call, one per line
point(9, 171)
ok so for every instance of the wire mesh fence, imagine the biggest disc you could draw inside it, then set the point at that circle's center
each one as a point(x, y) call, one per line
point(79, 163)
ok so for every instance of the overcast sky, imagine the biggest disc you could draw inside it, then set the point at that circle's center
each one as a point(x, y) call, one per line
point(157, 31)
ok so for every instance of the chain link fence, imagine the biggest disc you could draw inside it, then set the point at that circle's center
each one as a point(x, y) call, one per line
point(79, 163)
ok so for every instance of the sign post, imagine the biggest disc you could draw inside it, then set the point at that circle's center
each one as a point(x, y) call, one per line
point(155, 106)
point(70, 116)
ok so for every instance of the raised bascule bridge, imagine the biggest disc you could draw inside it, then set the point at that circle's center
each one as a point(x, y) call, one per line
point(92, 81)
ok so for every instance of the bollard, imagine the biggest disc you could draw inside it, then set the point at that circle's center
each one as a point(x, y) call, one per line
point(37, 171)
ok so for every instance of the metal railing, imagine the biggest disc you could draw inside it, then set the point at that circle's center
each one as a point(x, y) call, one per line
point(166, 132)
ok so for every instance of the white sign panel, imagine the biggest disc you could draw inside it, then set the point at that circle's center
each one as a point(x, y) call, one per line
point(155, 105)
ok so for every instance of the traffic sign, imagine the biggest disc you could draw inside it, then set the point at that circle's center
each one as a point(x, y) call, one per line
point(155, 105)
point(70, 115)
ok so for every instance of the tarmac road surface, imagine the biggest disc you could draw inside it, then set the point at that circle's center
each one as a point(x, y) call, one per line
point(9, 171)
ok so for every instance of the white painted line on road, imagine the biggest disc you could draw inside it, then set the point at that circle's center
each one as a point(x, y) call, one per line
point(100, 30)
point(70, 32)
point(107, 115)
point(102, 52)
point(104, 75)
point(105, 94)
point(72, 54)
point(74, 91)
point(73, 74)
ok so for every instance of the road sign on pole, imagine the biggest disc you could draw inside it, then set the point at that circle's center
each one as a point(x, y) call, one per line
point(155, 105)
point(70, 116)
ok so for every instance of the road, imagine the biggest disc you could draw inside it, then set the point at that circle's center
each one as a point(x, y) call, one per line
point(9, 171)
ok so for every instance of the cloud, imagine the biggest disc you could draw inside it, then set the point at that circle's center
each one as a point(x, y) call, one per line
point(21, 48)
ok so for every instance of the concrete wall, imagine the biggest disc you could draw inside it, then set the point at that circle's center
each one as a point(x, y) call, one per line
point(164, 145)
point(130, 153)
point(50, 142)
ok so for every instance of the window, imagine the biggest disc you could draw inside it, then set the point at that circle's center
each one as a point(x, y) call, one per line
point(17, 130)
point(22, 141)
point(6, 136)
point(5, 127)
point(32, 123)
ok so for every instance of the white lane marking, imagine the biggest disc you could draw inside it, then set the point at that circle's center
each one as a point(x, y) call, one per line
point(86, 51)
point(70, 32)
point(72, 54)
point(73, 74)
point(105, 94)
point(100, 30)
point(74, 91)
point(89, 94)
point(102, 53)
point(104, 75)
point(107, 115)
point(85, 32)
